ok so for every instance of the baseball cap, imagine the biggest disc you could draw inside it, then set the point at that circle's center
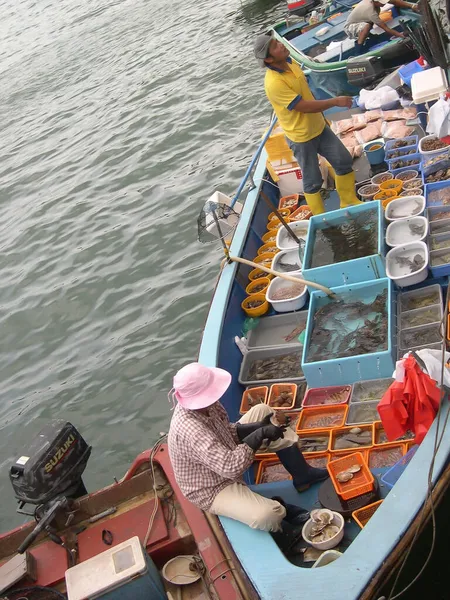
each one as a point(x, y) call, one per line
point(261, 47)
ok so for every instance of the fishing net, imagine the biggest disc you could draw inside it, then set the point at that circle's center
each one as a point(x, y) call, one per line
point(216, 221)
point(34, 593)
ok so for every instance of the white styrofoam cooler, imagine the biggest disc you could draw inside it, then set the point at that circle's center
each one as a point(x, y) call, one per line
point(428, 85)
point(124, 572)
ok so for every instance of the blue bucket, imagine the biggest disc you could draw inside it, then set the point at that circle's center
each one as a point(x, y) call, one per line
point(375, 156)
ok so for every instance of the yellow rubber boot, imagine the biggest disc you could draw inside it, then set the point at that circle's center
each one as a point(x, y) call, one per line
point(315, 203)
point(345, 187)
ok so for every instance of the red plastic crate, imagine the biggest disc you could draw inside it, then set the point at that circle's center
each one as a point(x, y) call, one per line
point(322, 396)
point(315, 418)
point(262, 390)
point(361, 483)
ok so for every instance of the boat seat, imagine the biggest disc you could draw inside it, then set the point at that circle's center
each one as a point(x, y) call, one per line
point(332, 33)
point(338, 19)
point(306, 40)
point(332, 55)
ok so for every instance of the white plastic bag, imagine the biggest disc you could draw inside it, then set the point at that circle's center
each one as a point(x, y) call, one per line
point(432, 360)
point(439, 119)
point(384, 97)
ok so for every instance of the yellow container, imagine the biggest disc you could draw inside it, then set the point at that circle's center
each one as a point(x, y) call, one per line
point(265, 259)
point(284, 212)
point(258, 274)
point(385, 195)
point(270, 236)
point(275, 224)
point(257, 283)
point(393, 185)
point(269, 248)
point(386, 202)
point(257, 311)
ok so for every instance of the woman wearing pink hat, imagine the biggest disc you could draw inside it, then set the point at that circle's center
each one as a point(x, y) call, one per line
point(209, 454)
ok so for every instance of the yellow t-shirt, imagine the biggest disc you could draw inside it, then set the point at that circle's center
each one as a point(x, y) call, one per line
point(284, 89)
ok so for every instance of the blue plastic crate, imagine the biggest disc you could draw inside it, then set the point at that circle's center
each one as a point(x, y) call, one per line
point(431, 187)
point(365, 268)
point(401, 151)
point(407, 71)
point(414, 139)
point(343, 371)
point(391, 477)
point(405, 168)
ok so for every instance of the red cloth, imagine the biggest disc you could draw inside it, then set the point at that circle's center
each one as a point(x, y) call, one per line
point(410, 404)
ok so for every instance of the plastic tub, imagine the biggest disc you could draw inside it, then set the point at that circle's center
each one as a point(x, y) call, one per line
point(363, 515)
point(438, 194)
point(264, 468)
point(411, 184)
point(385, 195)
point(303, 213)
point(430, 295)
point(367, 192)
point(420, 336)
point(440, 263)
point(337, 520)
point(293, 374)
point(401, 273)
point(291, 257)
point(337, 433)
point(409, 141)
point(383, 457)
point(264, 259)
point(277, 389)
point(400, 152)
point(326, 558)
point(275, 224)
point(327, 396)
point(289, 202)
point(284, 212)
point(414, 192)
point(406, 174)
point(391, 477)
point(368, 391)
point(403, 208)
point(285, 242)
point(374, 152)
point(269, 236)
point(361, 483)
point(420, 317)
point(384, 203)
point(256, 274)
point(277, 330)
point(407, 71)
point(440, 226)
point(396, 164)
point(402, 231)
point(288, 305)
point(305, 444)
point(322, 417)
point(380, 177)
point(362, 412)
point(252, 396)
point(269, 248)
point(257, 311)
point(438, 213)
point(254, 287)
point(429, 153)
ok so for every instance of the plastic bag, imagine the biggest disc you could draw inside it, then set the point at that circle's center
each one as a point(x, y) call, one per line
point(373, 115)
point(402, 113)
point(359, 121)
point(439, 119)
point(396, 130)
point(380, 98)
point(342, 127)
point(369, 133)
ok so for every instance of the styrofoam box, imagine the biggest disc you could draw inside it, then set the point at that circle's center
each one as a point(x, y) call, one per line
point(428, 85)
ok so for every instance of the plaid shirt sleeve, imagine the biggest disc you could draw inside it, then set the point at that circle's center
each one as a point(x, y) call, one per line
point(230, 464)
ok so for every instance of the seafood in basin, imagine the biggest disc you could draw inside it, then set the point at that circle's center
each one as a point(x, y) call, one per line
point(276, 367)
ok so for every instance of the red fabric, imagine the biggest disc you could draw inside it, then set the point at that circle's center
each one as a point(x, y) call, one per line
point(411, 404)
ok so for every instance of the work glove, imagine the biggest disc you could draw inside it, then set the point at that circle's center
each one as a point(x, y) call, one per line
point(268, 432)
point(244, 429)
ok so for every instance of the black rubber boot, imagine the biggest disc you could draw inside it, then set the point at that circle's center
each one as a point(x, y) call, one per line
point(295, 515)
point(303, 474)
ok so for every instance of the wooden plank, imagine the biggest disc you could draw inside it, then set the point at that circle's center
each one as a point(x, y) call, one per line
point(20, 566)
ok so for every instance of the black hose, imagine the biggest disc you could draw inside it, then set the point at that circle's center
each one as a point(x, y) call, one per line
point(36, 588)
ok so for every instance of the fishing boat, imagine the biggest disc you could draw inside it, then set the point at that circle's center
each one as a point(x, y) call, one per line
point(326, 54)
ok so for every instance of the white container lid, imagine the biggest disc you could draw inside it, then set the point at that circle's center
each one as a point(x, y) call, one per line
point(105, 571)
point(428, 85)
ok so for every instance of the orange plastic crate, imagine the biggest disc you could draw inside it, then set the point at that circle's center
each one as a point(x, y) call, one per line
point(335, 433)
point(361, 483)
point(363, 515)
point(316, 418)
point(377, 426)
point(318, 432)
point(262, 390)
point(318, 460)
point(396, 451)
point(276, 389)
point(301, 210)
point(288, 199)
point(342, 453)
point(263, 467)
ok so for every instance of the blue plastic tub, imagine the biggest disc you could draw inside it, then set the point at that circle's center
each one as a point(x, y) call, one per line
point(365, 268)
point(405, 168)
point(407, 71)
point(343, 371)
point(401, 151)
point(413, 139)
point(431, 187)
point(391, 476)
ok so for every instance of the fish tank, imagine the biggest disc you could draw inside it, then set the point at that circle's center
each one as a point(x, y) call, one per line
point(346, 246)
point(350, 337)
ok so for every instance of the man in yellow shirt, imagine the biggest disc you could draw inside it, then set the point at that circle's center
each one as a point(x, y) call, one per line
point(300, 116)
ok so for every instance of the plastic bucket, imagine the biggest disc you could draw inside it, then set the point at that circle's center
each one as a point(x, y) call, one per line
point(374, 152)
point(257, 311)
point(393, 185)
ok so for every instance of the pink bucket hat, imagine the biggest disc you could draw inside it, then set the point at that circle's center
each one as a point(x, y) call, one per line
point(196, 386)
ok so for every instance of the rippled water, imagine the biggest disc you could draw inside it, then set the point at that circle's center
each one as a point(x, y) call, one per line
point(117, 121)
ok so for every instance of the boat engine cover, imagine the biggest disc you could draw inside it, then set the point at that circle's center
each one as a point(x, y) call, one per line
point(52, 465)
point(363, 71)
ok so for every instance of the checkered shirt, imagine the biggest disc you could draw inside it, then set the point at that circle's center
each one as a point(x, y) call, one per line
point(205, 453)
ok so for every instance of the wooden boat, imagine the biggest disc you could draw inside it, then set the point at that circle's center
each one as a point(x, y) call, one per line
point(327, 69)
point(371, 554)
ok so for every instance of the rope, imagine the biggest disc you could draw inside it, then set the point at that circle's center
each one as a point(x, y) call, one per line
point(155, 489)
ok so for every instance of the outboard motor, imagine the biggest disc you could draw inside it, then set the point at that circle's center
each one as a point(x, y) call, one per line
point(361, 71)
point(48, 474)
